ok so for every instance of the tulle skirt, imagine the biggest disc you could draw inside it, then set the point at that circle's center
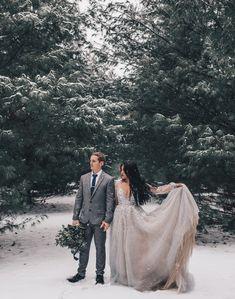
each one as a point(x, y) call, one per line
point(150, 251)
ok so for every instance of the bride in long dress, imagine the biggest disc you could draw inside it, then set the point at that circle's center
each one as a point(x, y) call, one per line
point(150, 251)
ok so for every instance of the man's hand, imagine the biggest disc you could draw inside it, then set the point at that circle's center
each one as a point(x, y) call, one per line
point(104, 225)
point(76, 222)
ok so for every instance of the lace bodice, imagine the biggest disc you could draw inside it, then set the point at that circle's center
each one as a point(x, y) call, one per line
point(121, 198)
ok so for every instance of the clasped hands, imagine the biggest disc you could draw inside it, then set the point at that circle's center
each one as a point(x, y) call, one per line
point(104, 225)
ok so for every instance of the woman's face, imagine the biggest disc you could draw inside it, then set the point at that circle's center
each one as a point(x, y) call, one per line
point(122, 173)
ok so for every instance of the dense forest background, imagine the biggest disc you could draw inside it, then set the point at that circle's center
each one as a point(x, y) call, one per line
point(158, 88)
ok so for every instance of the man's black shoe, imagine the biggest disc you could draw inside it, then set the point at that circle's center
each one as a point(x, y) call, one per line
point(99, 279)
point(75, 278)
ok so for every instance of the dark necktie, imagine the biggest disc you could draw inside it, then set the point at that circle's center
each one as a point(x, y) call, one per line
point(94, 176)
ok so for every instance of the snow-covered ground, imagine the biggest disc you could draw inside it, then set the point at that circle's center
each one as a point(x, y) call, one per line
point(32, 267)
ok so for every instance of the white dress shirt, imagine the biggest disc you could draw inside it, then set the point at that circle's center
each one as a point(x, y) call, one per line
point(98, 175)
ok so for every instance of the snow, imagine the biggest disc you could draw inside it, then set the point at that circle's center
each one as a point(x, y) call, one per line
point(32, 267)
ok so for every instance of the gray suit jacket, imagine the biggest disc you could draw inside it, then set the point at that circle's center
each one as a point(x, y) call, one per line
point(96, 207)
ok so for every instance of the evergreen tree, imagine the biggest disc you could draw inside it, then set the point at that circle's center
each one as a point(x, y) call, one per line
point(53, 111)
point(180, 61)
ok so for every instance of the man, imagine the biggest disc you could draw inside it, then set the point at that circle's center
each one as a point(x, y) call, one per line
point(94, 207)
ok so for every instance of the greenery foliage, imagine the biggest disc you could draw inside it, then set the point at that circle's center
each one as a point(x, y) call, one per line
point(171, 108)
point(179, 70)
point(73, 237)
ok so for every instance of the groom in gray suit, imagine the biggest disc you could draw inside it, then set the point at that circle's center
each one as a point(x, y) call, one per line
point(94, 207)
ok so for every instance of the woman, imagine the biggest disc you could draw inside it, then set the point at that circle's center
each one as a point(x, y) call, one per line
point(151, 251)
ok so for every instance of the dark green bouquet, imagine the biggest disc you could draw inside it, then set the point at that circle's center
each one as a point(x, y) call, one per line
point(73, 237)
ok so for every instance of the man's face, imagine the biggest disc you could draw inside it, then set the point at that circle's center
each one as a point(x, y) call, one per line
point(95, 164)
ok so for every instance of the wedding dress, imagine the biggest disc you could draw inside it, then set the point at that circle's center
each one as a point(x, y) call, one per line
point(150, 251)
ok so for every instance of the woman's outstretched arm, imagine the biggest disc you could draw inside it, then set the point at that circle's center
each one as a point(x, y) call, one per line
point(165, 188)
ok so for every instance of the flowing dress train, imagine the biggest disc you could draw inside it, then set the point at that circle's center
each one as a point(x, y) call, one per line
point(150, 251)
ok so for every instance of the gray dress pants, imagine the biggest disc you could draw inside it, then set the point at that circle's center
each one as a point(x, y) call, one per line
point(99, 238)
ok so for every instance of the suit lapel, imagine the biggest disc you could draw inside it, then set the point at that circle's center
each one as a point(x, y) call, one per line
point(88, 181)
point(98, 183)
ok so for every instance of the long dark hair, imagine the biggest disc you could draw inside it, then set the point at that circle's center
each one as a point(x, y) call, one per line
point(137, 184)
